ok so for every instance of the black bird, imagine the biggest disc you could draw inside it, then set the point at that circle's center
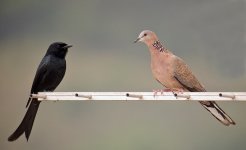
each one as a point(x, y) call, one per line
point(49, 74)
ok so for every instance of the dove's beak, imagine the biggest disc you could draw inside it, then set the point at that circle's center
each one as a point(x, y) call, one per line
point(137, 40)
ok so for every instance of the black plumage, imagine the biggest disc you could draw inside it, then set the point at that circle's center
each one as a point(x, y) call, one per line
point(49, 74)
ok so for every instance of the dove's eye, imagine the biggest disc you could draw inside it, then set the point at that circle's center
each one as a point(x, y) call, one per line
point(145, 34)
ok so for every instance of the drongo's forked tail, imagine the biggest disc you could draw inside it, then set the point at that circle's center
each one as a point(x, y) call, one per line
point(27, 122)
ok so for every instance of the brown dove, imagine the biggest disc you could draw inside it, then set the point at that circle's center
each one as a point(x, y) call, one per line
point(173, 73)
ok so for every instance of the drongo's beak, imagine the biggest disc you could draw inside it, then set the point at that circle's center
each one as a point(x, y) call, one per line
point(67, 46)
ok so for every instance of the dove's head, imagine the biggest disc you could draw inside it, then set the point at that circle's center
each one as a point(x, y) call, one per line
point(147, 36)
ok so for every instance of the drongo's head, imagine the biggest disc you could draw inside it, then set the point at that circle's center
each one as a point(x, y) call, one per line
point(58, 49)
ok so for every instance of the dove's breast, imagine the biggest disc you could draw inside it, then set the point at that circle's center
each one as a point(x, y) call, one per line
point(163, 70)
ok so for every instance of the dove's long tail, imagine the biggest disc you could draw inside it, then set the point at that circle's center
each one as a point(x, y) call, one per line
point(217, 112)
point(27, 122)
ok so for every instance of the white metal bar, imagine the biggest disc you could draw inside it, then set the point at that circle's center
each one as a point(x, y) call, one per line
point(127, 96)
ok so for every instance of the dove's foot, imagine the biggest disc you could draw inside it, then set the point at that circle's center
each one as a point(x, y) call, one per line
point(175, 91)
point(160, 91)
point(156, 92)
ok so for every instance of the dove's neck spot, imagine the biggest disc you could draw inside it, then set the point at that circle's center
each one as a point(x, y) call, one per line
point(158, 46)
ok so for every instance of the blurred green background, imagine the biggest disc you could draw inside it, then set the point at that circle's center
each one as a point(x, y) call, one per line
point(209, 35)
